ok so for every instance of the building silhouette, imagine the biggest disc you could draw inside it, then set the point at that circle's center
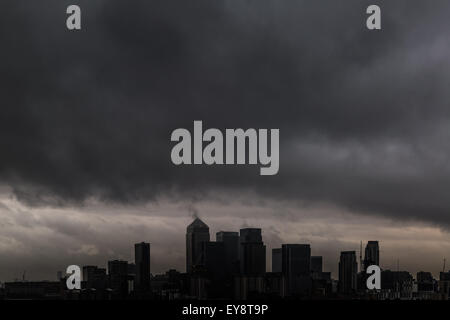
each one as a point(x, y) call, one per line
point(234, 267)
point(371, 254)
point(252, 260)
point(118, 277)
point(252, 252)
point(296, 268)
point(230, 242)
point(276, 260)
point(425, 282)
point(213, 259)
point(444, 284)
point(197, 233)
point(142, 261)
point(316, 264)
point(94, 278)
point(348, 269)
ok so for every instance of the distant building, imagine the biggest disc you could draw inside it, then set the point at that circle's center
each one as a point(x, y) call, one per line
point(142, 261)
point(274, 286)
point(249, 287)
point(252, 258)
point(131, 270)
point(425, 282)
point(399, 284)
point(348, 269)
point(296, 268)
point(33, 290)
point(276, 260)
point(230, 241)
point(197, 233)
point(94, 277)
point(252, 252)
point(214, 262)
point(169, 286)
point(371, 254)
point(213, 259)
point(118, 277)
point(316, 264)
point(444, 285)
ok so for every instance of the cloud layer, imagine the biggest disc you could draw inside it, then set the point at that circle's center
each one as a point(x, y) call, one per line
point(363, 116)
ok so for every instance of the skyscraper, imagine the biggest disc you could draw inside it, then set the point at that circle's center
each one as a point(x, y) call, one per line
point(276, 260)
point(296, 259)
point(348, 269)
point(230, 241)
point(118, 277)
point(213, 259)
point(142, 261)
point(296, 267)
point(316, 264)
point(252, 252)
point(197, 233)
point(371, 254)
point(251, 235)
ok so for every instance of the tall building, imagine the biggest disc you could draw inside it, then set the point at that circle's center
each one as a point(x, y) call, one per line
point(142, 261)
point(348, 269)
point(252, 252)
point(230, 241)
point(276, 260)
point(94, 277)
point(197, 233)
point(118, 277)
point(425, 281)
point(213, 258)
point(316, 264)
point(296, 259)
point(296, 268)
point(371, 254)
point(444, 285)
point(250, 235)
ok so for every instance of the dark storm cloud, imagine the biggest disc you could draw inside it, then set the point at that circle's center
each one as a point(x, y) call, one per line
point(363, 115)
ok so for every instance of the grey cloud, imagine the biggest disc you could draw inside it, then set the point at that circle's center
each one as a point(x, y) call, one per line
point(89, 114)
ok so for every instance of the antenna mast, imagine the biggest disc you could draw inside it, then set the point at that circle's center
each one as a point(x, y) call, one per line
point(360, 258)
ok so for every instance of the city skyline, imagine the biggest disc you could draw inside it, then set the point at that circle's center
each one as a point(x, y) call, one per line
point(364, 258)
point(87, 116)
point(233, 266)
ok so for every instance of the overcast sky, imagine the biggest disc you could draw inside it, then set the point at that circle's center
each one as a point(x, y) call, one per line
point(86, 118)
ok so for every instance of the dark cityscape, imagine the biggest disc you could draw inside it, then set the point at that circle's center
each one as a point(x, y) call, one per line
point(234, 268)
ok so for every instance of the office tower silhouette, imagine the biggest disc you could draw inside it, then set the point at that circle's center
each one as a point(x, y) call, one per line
point(316, 264)
point(213, 259)
point(252, 258)
point(230, 241)
point(276, 260)
point(296, 268)
point(425, 282)
point(250, 235)
point(252, 252)
point(444, 284)
point(348, 269)
point(371, 254)
point(197, 233)
point(118, 277)
point(212, 268)
point(94, 277)
point(142, 261)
